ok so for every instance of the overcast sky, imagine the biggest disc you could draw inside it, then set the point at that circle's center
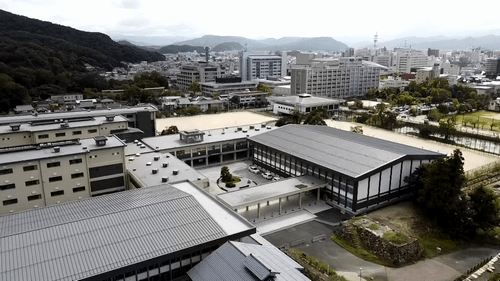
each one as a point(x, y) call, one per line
point(266, 18)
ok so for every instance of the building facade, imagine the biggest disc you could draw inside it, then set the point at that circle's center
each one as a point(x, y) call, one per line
point(361, 172)
point(333, 77)
point(201, 73)
point(304, 103)
point(408, 59)
point(257, 66)
point(45, 175)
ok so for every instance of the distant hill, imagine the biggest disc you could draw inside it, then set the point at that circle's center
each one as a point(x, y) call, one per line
point(327, 44)
point(228, 46)
point(93, 48)
point(149, 40)
point(438, 42)
point(174, 49)
point(125, 42)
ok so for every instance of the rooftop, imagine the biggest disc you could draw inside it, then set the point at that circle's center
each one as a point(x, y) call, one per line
point(33, 153)
point(304, 100)
point(165, 164)
point(51, 125)
point(211, 136)
point(247, 262)
point(68, 114)
point(346, 152)
point(60, 242)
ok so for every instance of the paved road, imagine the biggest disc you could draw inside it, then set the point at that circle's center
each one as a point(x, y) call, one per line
point(442, 268)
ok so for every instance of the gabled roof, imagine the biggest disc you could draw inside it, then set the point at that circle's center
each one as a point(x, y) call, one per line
point(346, 152)
point(235, 261)
point(86, 238)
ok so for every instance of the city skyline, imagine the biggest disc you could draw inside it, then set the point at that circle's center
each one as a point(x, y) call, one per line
point(261, 19)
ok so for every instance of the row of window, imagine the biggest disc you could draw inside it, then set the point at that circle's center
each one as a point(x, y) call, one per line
point(63, 134)
point(39, 196)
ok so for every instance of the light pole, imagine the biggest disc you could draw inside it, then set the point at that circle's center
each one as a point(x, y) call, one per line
point(360, 274)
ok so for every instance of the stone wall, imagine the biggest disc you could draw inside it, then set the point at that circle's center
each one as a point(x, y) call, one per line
point(396, 255)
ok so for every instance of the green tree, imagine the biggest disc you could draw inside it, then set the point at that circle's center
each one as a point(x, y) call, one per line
point(11, 93)
point(447, 129)
point(264, 88)
point(172, 130)
point(316, 117)
point(442, 183)
point(485, 206)
point(225, 175)
point(195, 87)
point(296, 117)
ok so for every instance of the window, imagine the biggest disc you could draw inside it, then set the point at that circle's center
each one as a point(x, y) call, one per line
point(60, 134)
point(34, 197)
point(53, 164)
point(77, 133)
point(75, 161)
point(6, 171)
point(57, 193)
point(77, 175)
point(7, 186)
point(78, 189)
point(33, 182)
point(44, 136)
point(106, 170)
point(10, 202)
point(107, 184)
point(30, 168)
point(92, 131)
point(53, 179)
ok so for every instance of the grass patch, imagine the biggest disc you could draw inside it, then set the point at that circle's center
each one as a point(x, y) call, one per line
point(360, 253)
point(396, 238)
point(495, 277)
point(355, 219)
point(314, 268)
point(373, 226)
point(431, 241)
point(483, 118)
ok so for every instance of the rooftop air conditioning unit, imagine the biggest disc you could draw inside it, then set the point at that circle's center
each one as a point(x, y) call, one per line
point(155, 171)
point(165, 164)
point(164, 179)
point(175, 172)
point(57, 149)
point(157, 157)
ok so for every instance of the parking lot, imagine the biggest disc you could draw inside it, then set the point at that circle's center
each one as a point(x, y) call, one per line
point(239, 169)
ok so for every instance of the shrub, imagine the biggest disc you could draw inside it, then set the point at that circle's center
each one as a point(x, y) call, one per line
point(373, 226)
point(396, 238)
point(230, 184)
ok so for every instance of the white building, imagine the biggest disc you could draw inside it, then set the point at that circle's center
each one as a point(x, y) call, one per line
point(393, 83)
point(258, 66)
point(333, 77)
point(304, 103)
point(408, 59)
point(200, 73)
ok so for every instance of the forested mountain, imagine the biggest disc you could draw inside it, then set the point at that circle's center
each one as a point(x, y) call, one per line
point(314, 44)
point(174, 49)
point(39, 58)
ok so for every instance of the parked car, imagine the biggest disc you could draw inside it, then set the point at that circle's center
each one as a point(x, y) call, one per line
point(253, 169)
point(267, 175)
point(276, 178)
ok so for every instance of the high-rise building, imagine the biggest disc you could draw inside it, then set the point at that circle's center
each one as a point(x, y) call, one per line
point(333, 77)
point(408, 59)
point(261, 66)
point(201, 73)
point(492, 67)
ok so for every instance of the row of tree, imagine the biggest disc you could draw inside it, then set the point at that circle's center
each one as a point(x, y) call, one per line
point(315, 117)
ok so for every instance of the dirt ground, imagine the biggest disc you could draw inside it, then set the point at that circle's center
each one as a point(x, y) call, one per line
point(402, 217)
point(213, 121)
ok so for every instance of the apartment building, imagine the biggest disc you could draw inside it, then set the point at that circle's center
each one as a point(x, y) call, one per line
point(48, 174)
point(140, 117)
point(49, 131)
point(261, 66)
point(201, 73)
point(333, 77)
point(492, 68)
point(407, 59)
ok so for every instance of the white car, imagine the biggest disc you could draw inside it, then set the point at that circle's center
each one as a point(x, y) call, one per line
point(253, 169)
point(267, 175)
point(276, 178)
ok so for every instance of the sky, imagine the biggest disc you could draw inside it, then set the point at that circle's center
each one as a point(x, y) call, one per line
point(357, 20)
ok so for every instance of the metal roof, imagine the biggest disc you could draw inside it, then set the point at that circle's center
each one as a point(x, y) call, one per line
point(235, 261)
point(346, 152)
point(80, 239)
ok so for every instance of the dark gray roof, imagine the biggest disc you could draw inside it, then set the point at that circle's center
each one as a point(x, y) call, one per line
point(80, 239)
point(346, 152)
point(235, 261)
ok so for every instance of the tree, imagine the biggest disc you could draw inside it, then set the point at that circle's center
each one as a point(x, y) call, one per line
point(447, 129)
point(442, 183)
point(316, 117)
point(195, 87)
point(264, 88)
point(225, 175)
point(380, 108)
point(282, 121)
point(296, 116)
point(172, 130)
point(485, 206)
